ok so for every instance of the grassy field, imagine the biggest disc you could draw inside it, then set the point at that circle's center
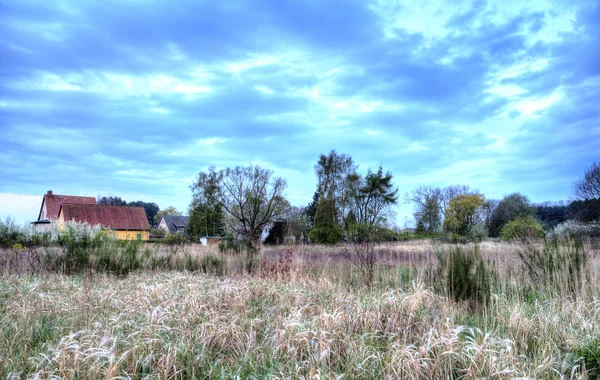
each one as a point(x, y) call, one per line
point(306, 313)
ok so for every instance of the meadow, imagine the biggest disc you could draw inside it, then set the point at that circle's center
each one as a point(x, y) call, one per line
point(433, 311)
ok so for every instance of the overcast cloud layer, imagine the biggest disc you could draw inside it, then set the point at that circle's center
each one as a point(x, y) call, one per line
point(134, 98)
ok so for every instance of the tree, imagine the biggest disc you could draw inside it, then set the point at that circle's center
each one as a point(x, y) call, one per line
point(588, 187)
point(509, 208)
point(298, 224)
point(206, 219)
point(112, 201)
point(151, 209)
point(311, 209)
point(326, 229)
point(250, 196)
point(371, 197)
point(426, 197)
point(277, 232)
point(551, 214)
point(172, 211)
point(462, 213)
point(371, 201)
point(334, 174)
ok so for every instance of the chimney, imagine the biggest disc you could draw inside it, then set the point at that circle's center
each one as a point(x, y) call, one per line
point(50, 193)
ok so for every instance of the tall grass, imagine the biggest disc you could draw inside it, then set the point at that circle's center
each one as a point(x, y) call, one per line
point(475, 313)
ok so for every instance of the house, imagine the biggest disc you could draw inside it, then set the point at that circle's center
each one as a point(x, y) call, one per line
point(174, 223)
point(127, 222)
point(51, 206)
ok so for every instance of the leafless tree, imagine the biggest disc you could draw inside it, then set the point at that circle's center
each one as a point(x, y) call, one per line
point(588, 187)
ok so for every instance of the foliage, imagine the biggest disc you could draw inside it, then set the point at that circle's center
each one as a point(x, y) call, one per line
point(326, 229)
point(372, 197)
point(428, 214)
point(478, 233)
point(462, 213)
point(463, 275)
point(511, 207)
point(334, 175)
point(251, 196)
point(212, 264)
point(572, 229)
point(311, 210)
point(298, 224)
point(551, 214)
point(150, 208)
point(205, 219)
point(559, 267)
point(172, 211)
point(523, 228)
point(425, 198)
point(175, 239)
point(112, 201)
point(588, 187)
point(276, 233)
point(587, 210)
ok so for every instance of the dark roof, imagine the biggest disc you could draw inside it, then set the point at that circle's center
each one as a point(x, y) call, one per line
point(114, 217)
point(41, 221)
point(176, 221)
point(54, 201)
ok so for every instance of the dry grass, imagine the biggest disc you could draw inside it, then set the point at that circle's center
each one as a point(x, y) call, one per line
point(310, 322)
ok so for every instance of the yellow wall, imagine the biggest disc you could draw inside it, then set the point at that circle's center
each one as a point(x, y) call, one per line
point(120, 235)
point(132, 235)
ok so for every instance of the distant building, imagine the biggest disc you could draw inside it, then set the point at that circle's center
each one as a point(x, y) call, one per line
point(210, 241)
point(51, 206)
point(174, 223)
point(127, 222)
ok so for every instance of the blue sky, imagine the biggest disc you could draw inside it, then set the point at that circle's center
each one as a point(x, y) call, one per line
point(134, 98)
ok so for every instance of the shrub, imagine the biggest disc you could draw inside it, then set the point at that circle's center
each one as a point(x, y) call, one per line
point(325, 235)
point(572, 229)
point(463, 275)
point(477, 233)
point(559, 267)
point(211, 264)
point(522, 228)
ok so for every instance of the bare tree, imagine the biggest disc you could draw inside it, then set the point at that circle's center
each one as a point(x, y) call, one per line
point(588, 187)
point(249, 195)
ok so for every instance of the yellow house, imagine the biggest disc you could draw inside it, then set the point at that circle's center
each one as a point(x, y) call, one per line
point(127, 222)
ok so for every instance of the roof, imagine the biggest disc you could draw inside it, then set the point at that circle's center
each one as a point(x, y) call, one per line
point(41, 221)
point(174, 222)
point(54, 201)
point(114, 217)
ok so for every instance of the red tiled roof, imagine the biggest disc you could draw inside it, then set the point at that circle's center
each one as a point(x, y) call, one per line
point(54, 201)
point(114, 217)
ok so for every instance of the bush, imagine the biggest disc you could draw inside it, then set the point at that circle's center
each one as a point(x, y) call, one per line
point(477, 233)
point(325, 235)
point(523, 228)
point(572, 229)
point(463, 275)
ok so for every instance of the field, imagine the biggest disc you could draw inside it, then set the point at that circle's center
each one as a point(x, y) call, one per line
point(306, 313)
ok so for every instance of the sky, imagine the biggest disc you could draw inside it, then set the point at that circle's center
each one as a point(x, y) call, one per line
point(133, 98)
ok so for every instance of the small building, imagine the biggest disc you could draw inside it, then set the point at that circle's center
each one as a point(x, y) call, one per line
point(210, 241)
point(128, 222)
point(51, 206)
point(174, 223)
